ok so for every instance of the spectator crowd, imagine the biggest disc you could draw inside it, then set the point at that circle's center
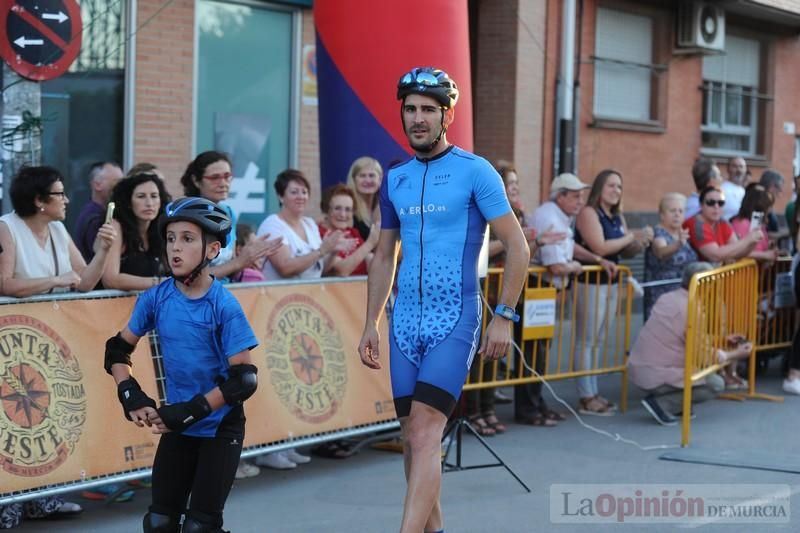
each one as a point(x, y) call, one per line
point(580, 224)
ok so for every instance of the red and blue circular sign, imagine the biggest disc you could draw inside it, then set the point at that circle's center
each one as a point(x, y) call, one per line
point(40, 39)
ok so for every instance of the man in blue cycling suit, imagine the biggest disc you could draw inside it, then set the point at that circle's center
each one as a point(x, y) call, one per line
point(436, 205)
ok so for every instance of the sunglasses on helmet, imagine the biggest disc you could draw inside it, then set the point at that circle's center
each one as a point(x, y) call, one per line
point(420, 78)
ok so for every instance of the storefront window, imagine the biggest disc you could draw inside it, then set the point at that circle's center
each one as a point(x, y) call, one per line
point(244, 97)
point(83, 111)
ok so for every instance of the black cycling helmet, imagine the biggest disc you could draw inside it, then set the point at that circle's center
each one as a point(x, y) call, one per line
point(428, 81)
point(211, 218)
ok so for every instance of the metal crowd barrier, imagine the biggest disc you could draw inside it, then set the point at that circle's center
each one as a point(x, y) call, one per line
point(722, 302)
point(776, 314)
point(85, 482)
point(550, 347)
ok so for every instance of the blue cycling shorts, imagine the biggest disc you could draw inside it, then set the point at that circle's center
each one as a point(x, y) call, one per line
point(443, 365)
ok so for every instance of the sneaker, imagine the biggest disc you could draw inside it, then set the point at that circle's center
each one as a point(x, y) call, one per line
point(111, 493)
point(276, 460)
point(67, 509)
point(662, 417)
point(297, 457)
point(245, 470)
point(792, 386)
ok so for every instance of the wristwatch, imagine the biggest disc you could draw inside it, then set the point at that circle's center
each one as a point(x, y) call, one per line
point(507, 312)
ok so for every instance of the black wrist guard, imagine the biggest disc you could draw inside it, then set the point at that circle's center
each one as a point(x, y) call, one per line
point(132, 397)
point(118, 350)
point(181, 415)
point(240, 385)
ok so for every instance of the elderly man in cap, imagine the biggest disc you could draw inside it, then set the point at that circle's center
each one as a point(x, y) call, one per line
point(567, 197)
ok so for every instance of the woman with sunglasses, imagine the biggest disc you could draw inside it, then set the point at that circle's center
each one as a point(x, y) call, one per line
point(713, 238)
point(209, 176)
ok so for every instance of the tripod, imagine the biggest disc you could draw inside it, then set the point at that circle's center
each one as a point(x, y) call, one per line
point(455, 429)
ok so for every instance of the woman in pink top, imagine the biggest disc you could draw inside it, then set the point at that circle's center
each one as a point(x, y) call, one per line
point(756, 200)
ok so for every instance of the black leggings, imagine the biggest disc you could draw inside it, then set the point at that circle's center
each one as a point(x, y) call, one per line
point(202, 467)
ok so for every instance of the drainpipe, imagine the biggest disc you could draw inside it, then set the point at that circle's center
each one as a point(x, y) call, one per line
point(566, 99)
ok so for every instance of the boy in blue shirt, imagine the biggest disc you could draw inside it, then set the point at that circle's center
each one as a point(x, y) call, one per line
point(205, 340)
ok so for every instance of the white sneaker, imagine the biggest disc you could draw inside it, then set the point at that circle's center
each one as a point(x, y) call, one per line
point(297, 457)
point(246, 470)
point(276, 460)
point(792, 386)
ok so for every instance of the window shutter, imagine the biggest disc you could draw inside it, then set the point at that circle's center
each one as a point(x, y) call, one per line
point(739, 65)
point(623, 91)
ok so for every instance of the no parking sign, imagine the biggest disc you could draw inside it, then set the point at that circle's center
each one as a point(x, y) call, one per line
point(40, 39)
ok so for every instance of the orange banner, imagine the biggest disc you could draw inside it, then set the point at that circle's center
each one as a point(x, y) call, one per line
point(59, 415)
point(311, 379)
point(60, 420)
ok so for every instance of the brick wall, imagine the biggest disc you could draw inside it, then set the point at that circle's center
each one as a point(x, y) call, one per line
point(164, 88)
point(308, 135)
point(655, 163)
point(508, 89)
point(785, 85)
point(651, 163)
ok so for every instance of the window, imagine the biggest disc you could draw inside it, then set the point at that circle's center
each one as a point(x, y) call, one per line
point(731, 98)
point(245, 96)
point(624, 72)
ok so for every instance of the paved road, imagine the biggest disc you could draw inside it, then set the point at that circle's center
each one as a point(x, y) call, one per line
point(364, 493)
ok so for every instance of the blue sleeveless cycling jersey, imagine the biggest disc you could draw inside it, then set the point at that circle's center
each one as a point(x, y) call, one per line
point(440, 207)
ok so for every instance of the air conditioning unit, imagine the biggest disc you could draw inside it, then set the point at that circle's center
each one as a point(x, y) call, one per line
point(701, 26)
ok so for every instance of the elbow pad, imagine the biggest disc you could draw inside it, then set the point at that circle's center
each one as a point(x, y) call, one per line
point(118, 350)
point(240, 385)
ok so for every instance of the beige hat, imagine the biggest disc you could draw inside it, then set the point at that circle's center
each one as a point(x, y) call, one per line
point(569, 182)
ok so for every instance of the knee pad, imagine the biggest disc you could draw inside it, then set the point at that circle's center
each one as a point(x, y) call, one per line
point(192, 525)
point(160, 523)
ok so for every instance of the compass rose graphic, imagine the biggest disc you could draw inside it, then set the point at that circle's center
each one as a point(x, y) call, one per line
point(24, 395)
point(307, 361)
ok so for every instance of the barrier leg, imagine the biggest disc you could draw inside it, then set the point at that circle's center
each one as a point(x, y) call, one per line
point(686, 416)
point(623, 395)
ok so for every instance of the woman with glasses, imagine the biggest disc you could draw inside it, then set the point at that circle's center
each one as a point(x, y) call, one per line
point(338, 205)
point(365, 177)
point(135, 260)
point(209, 176)
point(38, 255)
point(713, 238)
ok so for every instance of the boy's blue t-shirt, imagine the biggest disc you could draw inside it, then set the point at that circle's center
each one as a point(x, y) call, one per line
point(196, 337)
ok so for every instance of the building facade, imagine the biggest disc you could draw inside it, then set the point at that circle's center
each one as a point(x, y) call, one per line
point(161, 81)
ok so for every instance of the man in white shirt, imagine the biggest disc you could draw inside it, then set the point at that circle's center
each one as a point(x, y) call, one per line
point(733, 187)
point(567, 198)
